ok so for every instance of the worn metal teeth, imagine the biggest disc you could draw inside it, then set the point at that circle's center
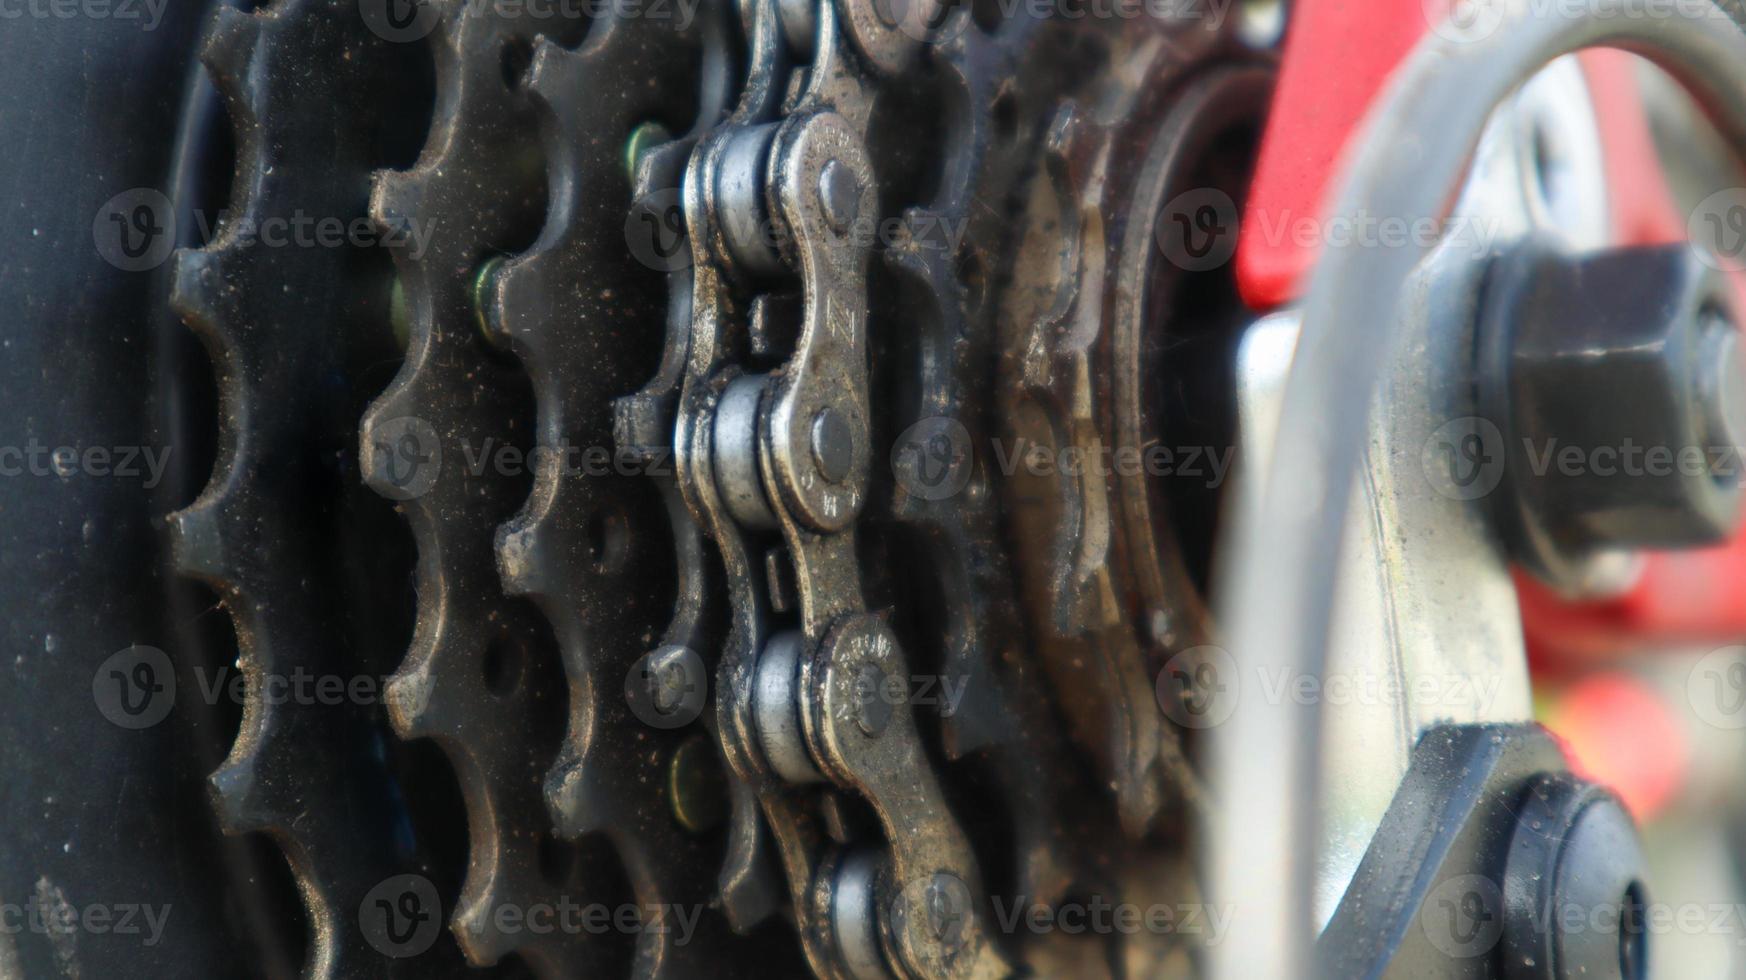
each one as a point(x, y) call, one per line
point(1110, 595)
point(307, 773)
point(1002, 713)
point(592, 547)
point(430, 441)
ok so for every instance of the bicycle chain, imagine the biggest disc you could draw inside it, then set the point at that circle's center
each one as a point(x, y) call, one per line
point(780, 461)
point(312, 775)
point(772, 427)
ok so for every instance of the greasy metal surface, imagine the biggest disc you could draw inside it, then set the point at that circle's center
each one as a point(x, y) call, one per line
point(478, 190)
point(813, 454)
point(263, 534)
point(589, 547)
point(1004, 715)
point(533, 325)
point(1097, 561)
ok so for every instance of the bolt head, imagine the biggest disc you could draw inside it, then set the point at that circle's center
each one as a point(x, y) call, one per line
point(1621, 372)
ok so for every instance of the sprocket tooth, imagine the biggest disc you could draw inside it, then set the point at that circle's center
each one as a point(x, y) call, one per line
point(584, 319)
point(395, 196)
point(230, 49)
point(459, 394)
point(408, 695)
point(521, 559)
point(197, 538)
point(299, 772)
point(235, 797)
point(555, 72)
point(199, 296)
point(574, 795)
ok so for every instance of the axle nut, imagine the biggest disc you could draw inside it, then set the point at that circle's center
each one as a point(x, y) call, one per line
point(1617, 380)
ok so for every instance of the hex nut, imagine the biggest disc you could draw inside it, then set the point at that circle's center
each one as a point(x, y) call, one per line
point(1617, 375)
